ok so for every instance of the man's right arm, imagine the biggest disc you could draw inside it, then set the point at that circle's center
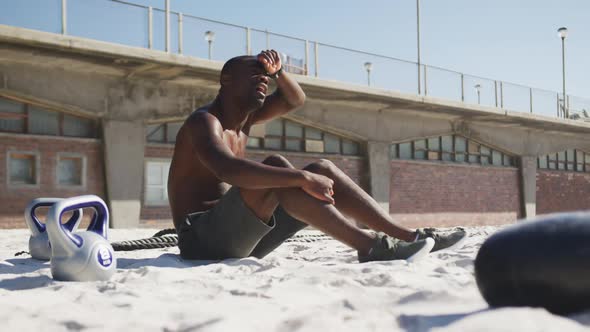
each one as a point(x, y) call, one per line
point(207, 138)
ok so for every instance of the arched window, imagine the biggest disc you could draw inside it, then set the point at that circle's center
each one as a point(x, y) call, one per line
point(569, 160)
point(451, 148)
point(286, 135)
point(16, 117)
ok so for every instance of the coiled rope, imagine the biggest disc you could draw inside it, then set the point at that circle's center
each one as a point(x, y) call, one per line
point(168, 238)
point(162, 239)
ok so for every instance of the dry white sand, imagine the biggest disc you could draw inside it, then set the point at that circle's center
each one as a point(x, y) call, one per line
point(317, 286)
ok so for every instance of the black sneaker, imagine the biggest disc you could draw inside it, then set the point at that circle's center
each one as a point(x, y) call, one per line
point(443, 239)
point(387, 248)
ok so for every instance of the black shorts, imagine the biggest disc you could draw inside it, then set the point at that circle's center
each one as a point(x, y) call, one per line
point(231, 230)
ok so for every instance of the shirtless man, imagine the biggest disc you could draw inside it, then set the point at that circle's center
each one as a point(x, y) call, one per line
point(226, 206)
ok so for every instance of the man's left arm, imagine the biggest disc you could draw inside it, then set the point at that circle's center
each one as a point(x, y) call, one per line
point(288, 95)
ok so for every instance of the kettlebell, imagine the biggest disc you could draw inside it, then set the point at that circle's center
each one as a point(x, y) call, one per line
point(81, 256)
point(39, 246)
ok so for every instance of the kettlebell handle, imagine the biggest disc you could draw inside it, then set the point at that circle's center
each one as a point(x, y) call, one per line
point(35, 224)
point(70, 241)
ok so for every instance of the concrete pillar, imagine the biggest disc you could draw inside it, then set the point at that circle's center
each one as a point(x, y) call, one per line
point(124, 144)
point(379, 172)
point(528, 168)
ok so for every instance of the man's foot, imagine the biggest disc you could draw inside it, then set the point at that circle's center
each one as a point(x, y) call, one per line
point(387, 248)
point(443, 239)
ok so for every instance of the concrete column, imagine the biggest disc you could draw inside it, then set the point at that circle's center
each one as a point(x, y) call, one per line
point(528, 170)
point(379, 172)
point(124, 144)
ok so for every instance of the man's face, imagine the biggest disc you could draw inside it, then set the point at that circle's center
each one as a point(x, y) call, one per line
point(250, 83)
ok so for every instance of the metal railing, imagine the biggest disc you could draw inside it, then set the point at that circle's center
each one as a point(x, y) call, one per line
point(123, 22)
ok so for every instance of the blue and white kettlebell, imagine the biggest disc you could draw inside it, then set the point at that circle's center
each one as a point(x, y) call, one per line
point(39, 247)
point(81, 256)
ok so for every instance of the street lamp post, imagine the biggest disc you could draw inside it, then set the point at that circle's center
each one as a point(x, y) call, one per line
point(562, 32)
point(210, 38)
point(368, 67)
point(478, 89)
point(418, 44)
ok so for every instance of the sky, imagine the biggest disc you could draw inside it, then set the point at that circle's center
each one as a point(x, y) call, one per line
point(508, 40)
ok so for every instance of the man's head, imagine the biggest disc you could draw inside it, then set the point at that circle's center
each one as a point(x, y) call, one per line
point(244, 79)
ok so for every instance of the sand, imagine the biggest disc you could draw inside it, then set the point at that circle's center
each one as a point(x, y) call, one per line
point(302, 286)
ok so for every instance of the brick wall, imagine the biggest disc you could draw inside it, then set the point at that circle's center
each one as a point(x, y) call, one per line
point(559, 191)
point(355, 167)
point(161, 216)
point(14, 199)
point(437, 194)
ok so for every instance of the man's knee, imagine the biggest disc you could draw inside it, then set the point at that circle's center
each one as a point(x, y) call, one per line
point(277, 160)
point(322, 166)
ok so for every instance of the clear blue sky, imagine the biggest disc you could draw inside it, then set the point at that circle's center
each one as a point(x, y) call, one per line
point(508, 40)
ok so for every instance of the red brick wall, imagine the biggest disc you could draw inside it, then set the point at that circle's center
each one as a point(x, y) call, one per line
point(355, 167)
point(559, 191)
point(14, 199)
point(437, 194)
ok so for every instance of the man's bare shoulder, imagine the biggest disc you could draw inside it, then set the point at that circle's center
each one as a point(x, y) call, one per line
point(202, 121)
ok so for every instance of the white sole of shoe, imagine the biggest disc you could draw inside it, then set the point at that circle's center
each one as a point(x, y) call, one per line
point(422, 252)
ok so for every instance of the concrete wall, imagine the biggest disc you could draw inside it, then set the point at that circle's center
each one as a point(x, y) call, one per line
point(124, 149)
point(445, 194)
point(14, 199)
point(561, 191)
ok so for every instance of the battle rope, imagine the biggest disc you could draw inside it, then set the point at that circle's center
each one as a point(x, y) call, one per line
point(168, 238)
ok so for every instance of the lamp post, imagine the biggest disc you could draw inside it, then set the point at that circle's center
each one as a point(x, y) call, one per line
point(418, 43)
point(210, 38)
point(478, 90)
point(368, 67)
point(562, 33)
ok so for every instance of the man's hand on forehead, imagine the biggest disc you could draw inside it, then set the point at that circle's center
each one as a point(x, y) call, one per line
point(271, 61)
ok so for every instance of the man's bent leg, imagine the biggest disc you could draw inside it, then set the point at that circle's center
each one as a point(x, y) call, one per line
point(285, 225)
point(357, 204)
point(354, 202)
point(300, 205)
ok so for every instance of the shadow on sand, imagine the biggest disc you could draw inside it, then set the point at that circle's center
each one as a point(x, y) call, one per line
point(21, 265)
point(23, 283)
point(423, 323)
point(164, 260)
point(174, 260)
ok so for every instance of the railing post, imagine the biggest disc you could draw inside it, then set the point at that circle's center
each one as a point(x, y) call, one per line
point(64, 17)
point(462, 87)
point(531, 98)
point(167, 27)
point(425, 81)
point(317, 62)
point(567, 108)
point(248, 43)
point(180, 33)
point(267, 40)
point(501, 95)
point(306, 57)
point(150, 27)
point(496, 92)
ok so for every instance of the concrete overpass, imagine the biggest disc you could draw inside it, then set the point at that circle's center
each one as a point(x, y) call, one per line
point(128, 87)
